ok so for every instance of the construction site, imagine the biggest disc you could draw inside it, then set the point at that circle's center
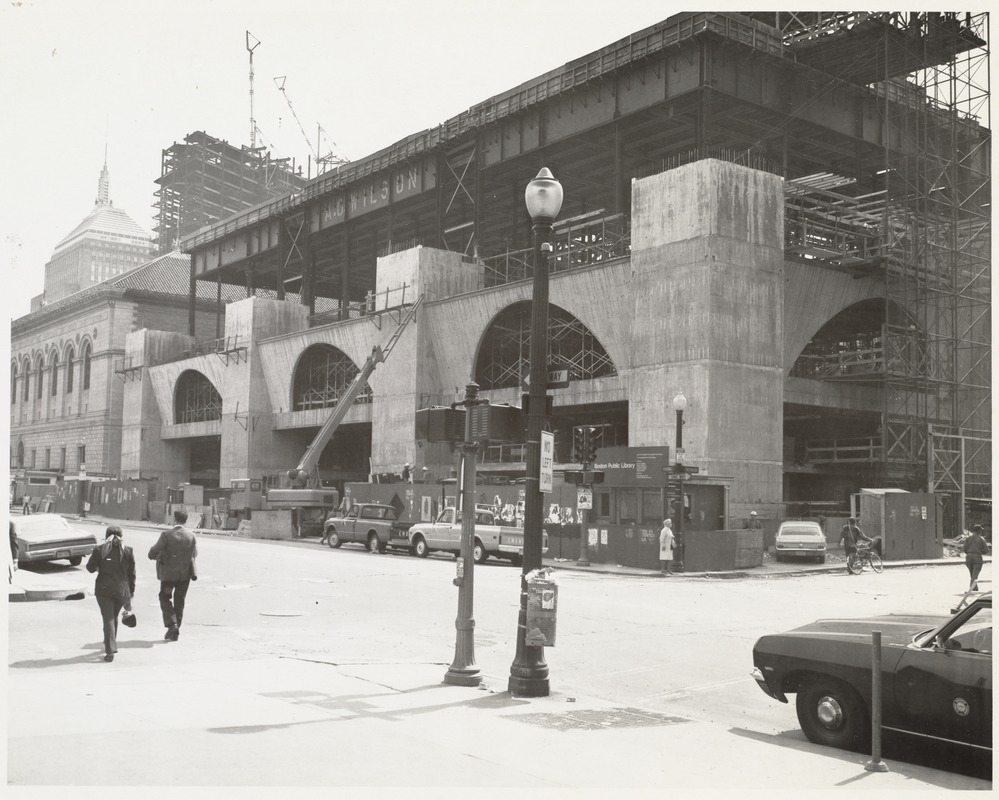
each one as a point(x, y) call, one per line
point(784, 215)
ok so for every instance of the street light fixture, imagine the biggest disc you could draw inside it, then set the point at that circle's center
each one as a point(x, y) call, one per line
point(543, 196)
point(679, 406)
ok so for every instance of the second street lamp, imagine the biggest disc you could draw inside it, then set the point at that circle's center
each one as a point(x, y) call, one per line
point(680, 405)
point(543, 196)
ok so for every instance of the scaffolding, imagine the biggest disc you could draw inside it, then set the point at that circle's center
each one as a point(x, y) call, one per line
point(937, 241)
point(204, 180)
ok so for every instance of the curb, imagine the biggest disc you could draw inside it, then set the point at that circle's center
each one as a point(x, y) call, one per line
point(19, 595)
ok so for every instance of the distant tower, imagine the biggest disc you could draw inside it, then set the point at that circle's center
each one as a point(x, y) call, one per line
point(106, 243)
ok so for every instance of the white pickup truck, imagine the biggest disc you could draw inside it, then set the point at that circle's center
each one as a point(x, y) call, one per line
point(490, 539)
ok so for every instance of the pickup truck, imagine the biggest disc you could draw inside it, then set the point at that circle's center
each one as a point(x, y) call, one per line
point(491, 539)
point(372, 524)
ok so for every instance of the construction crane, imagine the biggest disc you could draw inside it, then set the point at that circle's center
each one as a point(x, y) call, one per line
point(308, 492)
point(253, 122)
point(328, 159)
point(280, 86)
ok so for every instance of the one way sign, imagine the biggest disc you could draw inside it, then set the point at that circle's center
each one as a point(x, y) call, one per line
point(557, 379)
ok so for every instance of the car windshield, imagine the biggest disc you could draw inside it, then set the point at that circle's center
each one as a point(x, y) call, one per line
point(39, 524)
point(974, 634)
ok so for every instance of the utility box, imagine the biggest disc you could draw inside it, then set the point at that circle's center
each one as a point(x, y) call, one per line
point(907, 522)
point(542, 607)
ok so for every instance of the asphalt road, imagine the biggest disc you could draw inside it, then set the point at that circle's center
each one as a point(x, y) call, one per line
point(678, 645)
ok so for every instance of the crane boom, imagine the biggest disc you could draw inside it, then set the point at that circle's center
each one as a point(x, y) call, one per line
point(310, 459)
point(281, 88)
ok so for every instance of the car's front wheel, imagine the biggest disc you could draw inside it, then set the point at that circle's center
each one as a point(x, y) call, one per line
point(832, 714)
point(420, 548)
point(479, 554)
point(75, 561)
point(333, 539)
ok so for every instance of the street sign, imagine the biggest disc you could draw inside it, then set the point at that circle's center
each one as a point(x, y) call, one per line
point(584, 497)
point(680, 469)
point(547, 461)
point(679, 455)
point(557, 379)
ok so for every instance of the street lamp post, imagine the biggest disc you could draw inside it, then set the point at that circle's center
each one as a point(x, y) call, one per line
point(463, 670)
point(543, 196)
point(679, 405)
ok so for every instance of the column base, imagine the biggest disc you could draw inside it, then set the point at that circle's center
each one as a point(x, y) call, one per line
point(535, 685)
point(463, 676)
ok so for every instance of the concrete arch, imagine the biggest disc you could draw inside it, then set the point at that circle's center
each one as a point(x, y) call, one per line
point(501, 358)
point(327, 362)
point(195, 398)
point(812, 297)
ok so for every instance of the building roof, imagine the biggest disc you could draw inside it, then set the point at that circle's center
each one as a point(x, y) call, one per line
point(106, 222)
point(169, 274)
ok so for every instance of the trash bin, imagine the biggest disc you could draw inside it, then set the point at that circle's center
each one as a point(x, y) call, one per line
point(542, 605)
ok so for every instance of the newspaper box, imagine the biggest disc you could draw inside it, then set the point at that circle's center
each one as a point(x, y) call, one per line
point(542, 604)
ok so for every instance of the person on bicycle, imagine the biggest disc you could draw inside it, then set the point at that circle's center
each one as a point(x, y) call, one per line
point(851, 535)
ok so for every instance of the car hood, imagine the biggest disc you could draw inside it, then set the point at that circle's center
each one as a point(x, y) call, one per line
point(895, 628)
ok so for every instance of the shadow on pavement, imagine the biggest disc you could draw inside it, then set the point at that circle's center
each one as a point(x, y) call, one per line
point(96, 654)
point(897, 754)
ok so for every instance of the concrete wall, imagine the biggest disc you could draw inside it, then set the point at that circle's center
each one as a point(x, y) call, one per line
point(144, 453)
point(705, 305)
point(708, 320)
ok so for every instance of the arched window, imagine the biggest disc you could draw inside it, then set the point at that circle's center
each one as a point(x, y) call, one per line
point(26, 388)
point(20, 454)
point(196, 399)
point(504, 354)
point(54, 389)
point(321, 377)
point(13, 383)
point(39, 369)
point(86, 366)
point(69, 371)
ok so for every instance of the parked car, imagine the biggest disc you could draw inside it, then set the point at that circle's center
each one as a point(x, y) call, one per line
point(444, 534)
point(372, 524)
point(800, 538)
point(49, 537)
point(936, 674)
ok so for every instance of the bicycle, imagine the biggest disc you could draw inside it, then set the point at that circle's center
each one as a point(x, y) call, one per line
point(863, 555)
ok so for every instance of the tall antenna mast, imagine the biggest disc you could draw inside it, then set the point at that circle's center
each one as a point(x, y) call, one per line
point(253, 122)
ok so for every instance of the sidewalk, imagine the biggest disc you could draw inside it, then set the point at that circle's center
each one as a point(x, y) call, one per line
point(288, 721)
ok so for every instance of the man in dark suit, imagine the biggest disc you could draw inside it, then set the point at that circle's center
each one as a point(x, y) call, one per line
point(175, 553)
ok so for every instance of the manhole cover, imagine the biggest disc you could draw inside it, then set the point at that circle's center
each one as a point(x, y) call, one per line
point(598, 719)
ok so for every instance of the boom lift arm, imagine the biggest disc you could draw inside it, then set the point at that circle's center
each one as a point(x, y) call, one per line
point(307, 469)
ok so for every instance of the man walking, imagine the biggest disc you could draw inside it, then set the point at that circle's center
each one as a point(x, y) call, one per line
point(175, 553)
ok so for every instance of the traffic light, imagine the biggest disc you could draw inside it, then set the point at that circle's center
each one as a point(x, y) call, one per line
point(579, 445)
point(591, 448)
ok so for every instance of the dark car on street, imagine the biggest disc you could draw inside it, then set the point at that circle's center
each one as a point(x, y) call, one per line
point(936, 674)
point(49, 537)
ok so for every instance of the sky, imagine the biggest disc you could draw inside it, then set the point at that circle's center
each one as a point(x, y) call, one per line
point(77, 76)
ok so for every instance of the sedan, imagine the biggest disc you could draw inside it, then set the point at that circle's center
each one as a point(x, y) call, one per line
point(800, 538)
point(48, 537)
point(936, 677)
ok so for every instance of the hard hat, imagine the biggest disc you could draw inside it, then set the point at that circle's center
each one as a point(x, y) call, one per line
point(752, 513)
